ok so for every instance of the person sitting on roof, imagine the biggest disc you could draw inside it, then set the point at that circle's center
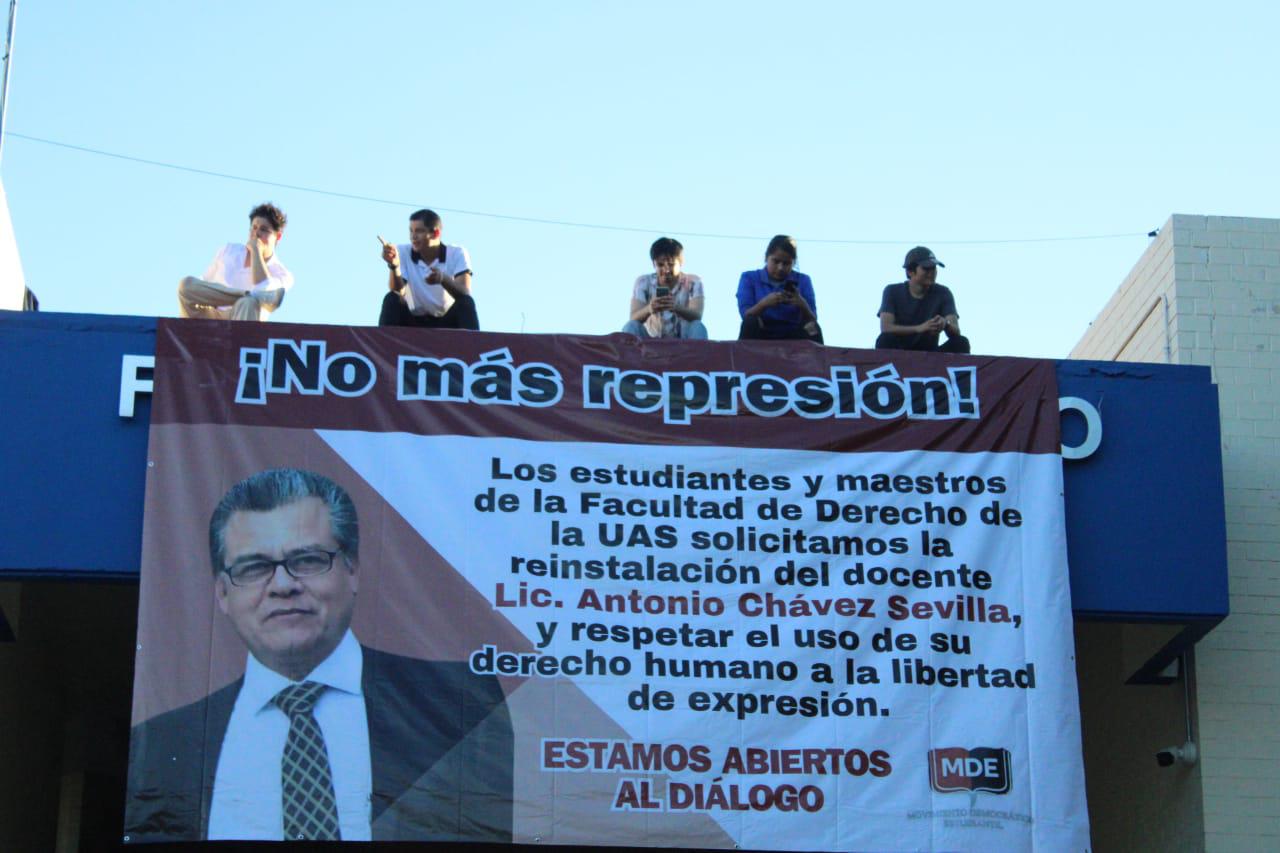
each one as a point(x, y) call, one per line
point(244, 281)
point(914, 313)
point(777, 302)
point(667, 303)
point(430, 282)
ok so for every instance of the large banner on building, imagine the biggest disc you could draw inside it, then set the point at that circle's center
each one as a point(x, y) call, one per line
point(402, 584)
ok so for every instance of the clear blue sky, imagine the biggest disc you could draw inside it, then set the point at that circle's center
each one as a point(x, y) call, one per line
point(896, 124)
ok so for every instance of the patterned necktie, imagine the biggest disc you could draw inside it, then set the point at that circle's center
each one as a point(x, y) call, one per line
point(310, 808)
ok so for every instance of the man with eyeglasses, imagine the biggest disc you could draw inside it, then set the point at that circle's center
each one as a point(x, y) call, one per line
point(323, 738)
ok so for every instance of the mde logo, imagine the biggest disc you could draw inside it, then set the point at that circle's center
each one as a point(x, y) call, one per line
point(983, 768)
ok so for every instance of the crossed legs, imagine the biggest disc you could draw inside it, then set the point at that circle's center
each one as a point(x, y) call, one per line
point(200, 298)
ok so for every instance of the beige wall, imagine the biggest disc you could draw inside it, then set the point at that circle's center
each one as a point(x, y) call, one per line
point(1224, 300)
point(1132, 325)
point(1134, 804)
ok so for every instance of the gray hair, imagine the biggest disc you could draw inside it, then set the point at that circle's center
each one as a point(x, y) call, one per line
point(274, 488)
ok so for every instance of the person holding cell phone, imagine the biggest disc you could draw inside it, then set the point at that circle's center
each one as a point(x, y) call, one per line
point(777, 302)
point(667, 303)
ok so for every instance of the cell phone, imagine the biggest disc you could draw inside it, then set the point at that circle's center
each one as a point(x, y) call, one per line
point(663, 291)
point(789, 287)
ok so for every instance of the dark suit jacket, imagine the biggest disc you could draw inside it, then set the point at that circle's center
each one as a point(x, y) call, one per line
point(425, 787)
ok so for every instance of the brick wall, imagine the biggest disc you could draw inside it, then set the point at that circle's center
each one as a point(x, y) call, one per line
point(1221, 277)
point(1132, 326)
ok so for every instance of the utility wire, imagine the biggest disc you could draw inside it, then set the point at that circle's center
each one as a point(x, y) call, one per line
point(564, 223)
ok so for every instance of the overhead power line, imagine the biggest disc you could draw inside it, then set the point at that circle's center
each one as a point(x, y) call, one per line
point(538, 220)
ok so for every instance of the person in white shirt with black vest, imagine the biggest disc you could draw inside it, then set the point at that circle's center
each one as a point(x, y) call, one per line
point(430, 282)
point(244, 282)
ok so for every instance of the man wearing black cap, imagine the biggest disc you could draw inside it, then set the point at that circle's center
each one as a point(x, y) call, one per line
point(915, 312)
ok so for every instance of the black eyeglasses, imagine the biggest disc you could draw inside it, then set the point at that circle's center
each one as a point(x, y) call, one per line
point(304, 564)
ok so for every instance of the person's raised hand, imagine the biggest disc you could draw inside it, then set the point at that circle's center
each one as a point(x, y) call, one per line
point(389, 254)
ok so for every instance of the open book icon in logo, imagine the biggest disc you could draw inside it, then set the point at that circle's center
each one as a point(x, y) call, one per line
point(983, 768)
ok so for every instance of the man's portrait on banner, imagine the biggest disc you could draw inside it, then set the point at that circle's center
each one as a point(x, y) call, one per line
point(323, 737)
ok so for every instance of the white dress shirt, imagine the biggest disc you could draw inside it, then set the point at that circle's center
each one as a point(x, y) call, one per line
point(246, 786)
point(228, 267)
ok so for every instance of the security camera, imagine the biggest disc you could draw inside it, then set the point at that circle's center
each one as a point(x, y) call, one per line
point(1187, 754)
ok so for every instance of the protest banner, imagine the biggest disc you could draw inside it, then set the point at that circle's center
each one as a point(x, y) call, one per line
point(604, 591)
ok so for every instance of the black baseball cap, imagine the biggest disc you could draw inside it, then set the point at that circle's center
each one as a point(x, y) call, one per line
point(921, 256)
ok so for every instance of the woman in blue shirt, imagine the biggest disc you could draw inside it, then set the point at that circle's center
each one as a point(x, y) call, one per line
point(777, 303)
